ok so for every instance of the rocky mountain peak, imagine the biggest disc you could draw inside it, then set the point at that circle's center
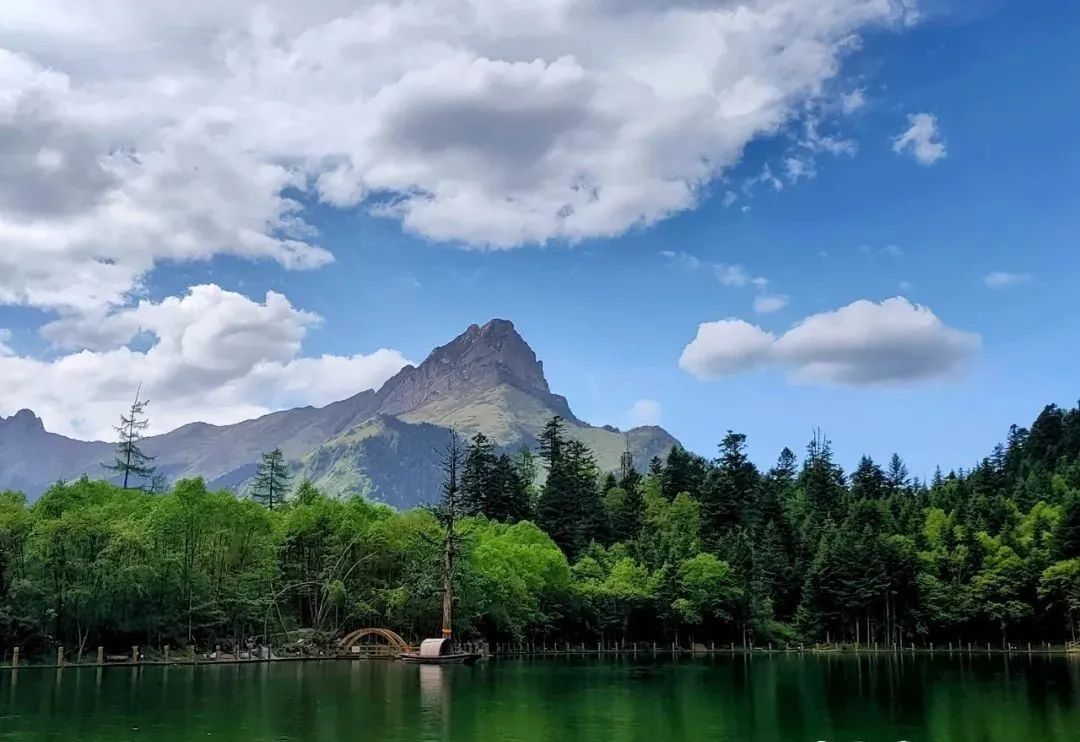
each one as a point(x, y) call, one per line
point(494, 348)
point(482, 357)
point(23, 421)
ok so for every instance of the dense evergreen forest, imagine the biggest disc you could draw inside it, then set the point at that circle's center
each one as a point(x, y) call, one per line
point(694, 550)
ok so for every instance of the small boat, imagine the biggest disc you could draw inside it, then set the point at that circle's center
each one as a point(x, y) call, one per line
point(439, 652)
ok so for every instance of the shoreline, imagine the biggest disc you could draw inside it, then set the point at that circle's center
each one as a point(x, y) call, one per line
point(1052, 651)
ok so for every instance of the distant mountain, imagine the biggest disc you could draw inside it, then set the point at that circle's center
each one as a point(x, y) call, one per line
point(382, 444)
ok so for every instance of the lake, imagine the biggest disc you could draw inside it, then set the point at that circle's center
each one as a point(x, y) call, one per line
point(762, 697)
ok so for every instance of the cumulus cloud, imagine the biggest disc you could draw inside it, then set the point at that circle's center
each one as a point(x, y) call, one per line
point(213, 355)
point(5, 338)
point(645, 412)
point(769, 303)
point(733, 275)
point(922, 139)
point(141, 131)
point(864, 343)
point(1004, 279)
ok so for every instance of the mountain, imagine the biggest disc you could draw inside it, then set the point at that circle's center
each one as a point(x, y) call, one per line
point(382, 444)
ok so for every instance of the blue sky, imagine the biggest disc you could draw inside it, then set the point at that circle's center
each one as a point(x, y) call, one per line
point(610, 315)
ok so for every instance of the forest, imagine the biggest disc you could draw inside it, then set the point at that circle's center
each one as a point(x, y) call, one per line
point(552, 549)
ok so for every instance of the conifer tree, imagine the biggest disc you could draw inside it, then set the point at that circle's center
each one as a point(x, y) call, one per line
point(511, 501)
point(869, 482)
point(130, 463)
point(898, 475)
point(271, 479)
point(822, 483)
point(570, 508)
point(479, 482)
point(730, 489)
point(552, 441)
point(683, 472)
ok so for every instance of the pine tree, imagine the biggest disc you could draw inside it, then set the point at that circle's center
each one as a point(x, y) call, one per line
point(586, 484)
point(130, 462)
point(730, 490)
point(570, 508)
point(478, 477)
point(552, 441)
point(511, 501)
point(898, 475)
point(869, 482)
point(656, 467)
point(683, 472)
point(822, 483)
point(271, 479)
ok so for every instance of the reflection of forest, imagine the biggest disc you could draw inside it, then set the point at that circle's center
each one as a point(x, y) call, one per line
point(734, 697)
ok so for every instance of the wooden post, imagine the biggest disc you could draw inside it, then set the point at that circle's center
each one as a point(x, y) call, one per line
point(101, 656)
point(60, 656)
point(217, 653)
point(15, 658)
point(194, 657)
point(135, 654)
point(166, 654)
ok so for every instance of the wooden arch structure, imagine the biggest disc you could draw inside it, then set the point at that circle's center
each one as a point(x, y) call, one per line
point(390, 637)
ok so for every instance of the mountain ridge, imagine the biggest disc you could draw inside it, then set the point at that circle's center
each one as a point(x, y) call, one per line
point(487, 379)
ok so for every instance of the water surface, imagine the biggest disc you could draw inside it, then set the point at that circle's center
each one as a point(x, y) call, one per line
point(726, 698)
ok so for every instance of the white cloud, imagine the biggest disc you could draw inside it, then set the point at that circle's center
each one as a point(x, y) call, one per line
point(797, 168)
point(768, 303)
point(862, 344)
point(1003, 279)
point(922, 139)
point(853, 101)
point(681, 259)
point(5, 338)
point(727, 347)
point(645, 412)
point(214, 355)
point(730, 197)
point(143, 131)
point(732, 275)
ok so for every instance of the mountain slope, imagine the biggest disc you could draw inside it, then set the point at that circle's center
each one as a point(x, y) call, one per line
point(382, 444)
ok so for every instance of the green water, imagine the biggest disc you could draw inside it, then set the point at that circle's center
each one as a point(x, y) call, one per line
point(725, 698)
